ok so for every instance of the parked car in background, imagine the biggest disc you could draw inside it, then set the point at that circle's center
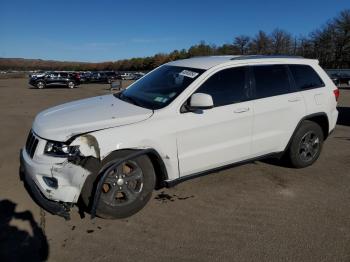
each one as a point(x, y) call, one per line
point(138, 75)
point(85, 77)
point(341, 79)
point(103, 77)
point(127, 76)
point(184, 119)
point(70, 80)
point(110, 76)
point(37, 74)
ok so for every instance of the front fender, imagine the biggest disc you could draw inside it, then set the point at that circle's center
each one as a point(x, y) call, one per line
point(100, 144)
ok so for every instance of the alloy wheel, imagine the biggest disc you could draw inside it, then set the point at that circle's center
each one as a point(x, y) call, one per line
point(71, 85)
point(123, 184)
point(40, 85)
point(309, 146)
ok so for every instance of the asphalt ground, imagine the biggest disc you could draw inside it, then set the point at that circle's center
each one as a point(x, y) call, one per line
point(255, 212)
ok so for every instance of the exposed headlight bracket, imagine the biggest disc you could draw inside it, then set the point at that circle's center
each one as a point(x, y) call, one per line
point(59, 149)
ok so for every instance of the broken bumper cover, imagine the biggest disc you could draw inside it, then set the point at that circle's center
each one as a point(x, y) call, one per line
point(53, 207)
point(65, 178)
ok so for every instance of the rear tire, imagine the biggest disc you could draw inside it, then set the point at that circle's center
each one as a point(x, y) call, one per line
point(127, 189)
point(71, 84)
point(306, 145)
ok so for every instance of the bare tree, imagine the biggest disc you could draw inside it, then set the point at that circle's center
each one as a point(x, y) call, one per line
point(281, 42)
point(342, 38)
point(241, 42)
point(261, 44)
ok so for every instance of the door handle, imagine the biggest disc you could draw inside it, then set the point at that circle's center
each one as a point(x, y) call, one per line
point(242, 110)
point(295, 99)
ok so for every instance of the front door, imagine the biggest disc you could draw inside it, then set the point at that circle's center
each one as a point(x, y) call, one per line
point(221, 135)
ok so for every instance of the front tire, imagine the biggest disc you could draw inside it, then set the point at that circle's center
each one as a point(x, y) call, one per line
point(306, 145)
point(127, 189)
point(40, 85)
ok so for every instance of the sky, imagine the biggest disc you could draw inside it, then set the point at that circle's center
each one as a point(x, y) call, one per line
point(94, 31)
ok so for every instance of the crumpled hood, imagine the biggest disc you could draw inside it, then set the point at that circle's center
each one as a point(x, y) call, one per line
point(61, 122)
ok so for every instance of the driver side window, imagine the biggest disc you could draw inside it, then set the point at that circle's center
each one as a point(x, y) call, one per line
point(227, 86)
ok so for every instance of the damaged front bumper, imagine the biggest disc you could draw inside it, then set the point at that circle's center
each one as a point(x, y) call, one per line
point(53, 207)
point(54, 186)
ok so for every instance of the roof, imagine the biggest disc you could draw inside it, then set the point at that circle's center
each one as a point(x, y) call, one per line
point(204, 62)
point(207, 62)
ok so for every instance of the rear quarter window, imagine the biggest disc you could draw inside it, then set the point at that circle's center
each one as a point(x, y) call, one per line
point(305, 77)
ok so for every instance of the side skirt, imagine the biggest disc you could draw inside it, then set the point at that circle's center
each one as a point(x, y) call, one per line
point(179, 180)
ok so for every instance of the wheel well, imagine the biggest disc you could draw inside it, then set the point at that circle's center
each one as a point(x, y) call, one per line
point(159, 169)
point(157, 162)
point(94, 165)
point(322, 121)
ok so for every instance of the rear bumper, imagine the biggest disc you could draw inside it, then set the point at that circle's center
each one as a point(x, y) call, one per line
point(53, 207)
point(334, 115)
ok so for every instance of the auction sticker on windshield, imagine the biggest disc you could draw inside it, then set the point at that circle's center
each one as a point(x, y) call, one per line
point(188, 73)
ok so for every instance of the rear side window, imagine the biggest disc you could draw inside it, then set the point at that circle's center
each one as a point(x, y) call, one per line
point(227, 86)
point(305, 77)
point(271, 80)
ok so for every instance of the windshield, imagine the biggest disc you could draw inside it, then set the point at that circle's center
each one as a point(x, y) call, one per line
point(160, 87)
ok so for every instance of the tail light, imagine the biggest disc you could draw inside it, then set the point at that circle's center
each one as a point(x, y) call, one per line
point(336, 94)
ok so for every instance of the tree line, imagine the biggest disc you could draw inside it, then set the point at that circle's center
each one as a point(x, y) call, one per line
point(330, 44)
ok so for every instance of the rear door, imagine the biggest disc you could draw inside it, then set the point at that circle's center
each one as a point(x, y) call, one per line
point(278, 108)
point(63, 78)
point(51, 78)
point(222, 135)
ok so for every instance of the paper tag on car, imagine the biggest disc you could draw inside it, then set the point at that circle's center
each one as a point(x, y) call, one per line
point(188, 73)
point(161, 99)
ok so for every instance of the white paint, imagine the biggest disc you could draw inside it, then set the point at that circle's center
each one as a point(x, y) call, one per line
point(61, 122)
point(70, 177)
point(201, 100)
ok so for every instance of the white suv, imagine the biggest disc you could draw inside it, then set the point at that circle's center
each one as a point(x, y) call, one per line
point(183, 119)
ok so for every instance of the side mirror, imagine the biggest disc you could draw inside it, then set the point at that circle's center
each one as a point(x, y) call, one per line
point(201, 101)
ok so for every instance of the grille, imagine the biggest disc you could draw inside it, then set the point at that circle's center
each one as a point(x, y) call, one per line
point(31, 144)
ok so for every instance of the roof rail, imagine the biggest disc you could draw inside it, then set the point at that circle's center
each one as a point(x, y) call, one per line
point(243, 57)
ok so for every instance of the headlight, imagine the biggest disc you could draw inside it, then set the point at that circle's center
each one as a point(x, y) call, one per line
point(60, 149)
